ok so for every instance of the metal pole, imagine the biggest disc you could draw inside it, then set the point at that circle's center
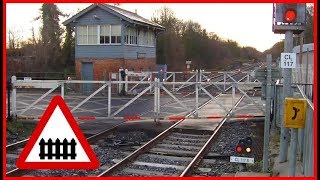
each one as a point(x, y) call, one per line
point(267, 117)
point(197, 75)
point(158, 96)
point(109, 100)
point(300, 143)
point(287, 92)
point(293, 152)
point(14, 97)
point(126, 79)
point(277, 107)
point(301, 131)
point(308, 152)
point(197, 100)
point(274, 100)
point(155, 99)
point(224, 81)
point(307, 66)
point(200, 78)
point(233, 94)
point(150, 76)
point(62, 90)
point(120, 84)
point(174, 80)
point(9, 87)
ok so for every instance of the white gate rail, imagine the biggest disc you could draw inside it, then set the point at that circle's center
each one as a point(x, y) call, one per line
point(155, 86)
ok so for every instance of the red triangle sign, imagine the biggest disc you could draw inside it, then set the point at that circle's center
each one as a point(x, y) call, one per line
point(57, 142)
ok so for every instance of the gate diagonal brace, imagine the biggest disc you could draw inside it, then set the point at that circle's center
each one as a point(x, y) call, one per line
point(145, 77)
point(132, 100)
point(257, 104)
point(214, 99)
point(169, 77)
point(206, 77)
point(231, 78)
point(89, 97)
point(39, 99)
point(183, 85)
point(167, 91)
point(215, 86)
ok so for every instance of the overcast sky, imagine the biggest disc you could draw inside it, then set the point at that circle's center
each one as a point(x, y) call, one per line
point(248, 24)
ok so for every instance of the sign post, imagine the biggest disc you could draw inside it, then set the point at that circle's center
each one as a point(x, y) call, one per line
point(267, 116)
point(287, 92)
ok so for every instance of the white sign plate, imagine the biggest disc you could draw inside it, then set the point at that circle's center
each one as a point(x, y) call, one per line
point(114, 76)
point(288, 60)
point(27, 78)
point(241, 159)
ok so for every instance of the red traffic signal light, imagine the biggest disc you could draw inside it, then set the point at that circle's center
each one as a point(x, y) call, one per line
point(239, 149)
point(290, 15)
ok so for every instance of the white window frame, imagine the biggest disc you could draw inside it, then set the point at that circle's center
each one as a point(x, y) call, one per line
point(151, 39)
point(84, 34)
point(144, 38)
point(98, 35)
point(95, 34)
point(109, 35)
point(132, 34)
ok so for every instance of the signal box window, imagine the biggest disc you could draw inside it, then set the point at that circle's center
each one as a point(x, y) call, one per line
point(104, 34)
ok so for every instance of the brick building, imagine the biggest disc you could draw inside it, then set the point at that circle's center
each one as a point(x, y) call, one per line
point(108, 37)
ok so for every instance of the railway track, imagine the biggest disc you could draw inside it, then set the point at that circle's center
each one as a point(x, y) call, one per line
point(173, 143)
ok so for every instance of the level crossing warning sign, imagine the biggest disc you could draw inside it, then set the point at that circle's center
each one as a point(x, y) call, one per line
point(57, 142)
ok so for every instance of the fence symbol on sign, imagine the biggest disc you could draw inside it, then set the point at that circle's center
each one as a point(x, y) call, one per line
point(296, 110)
point(57, 145)
point(57, 142)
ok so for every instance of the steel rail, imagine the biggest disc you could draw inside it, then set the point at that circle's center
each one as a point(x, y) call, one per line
point(16, 145)
point(208, 144)
point(146, 146)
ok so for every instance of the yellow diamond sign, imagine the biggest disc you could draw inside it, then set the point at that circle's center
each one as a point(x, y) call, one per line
point(295, 113)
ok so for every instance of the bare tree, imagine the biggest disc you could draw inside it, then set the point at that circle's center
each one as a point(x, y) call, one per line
point(14, 39)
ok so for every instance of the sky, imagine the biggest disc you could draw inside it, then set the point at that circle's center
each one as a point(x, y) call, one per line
point(250, 24)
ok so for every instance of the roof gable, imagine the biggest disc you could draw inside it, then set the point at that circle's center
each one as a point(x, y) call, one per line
point(123, 14)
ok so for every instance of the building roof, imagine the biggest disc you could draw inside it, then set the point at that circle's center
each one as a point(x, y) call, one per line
point(124, 14)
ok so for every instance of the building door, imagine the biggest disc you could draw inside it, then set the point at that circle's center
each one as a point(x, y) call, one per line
point(87, 74)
